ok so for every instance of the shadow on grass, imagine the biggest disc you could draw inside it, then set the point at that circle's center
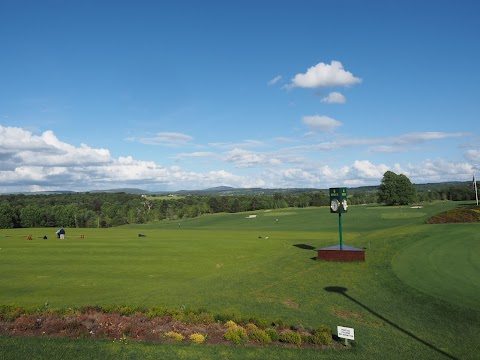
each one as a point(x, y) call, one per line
point(343, 291)
point(304, 246)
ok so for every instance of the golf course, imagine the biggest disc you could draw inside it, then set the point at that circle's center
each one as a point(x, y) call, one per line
point(415, 297)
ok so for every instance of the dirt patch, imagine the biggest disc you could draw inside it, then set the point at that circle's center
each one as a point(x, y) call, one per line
point(291, 304)
point(347, 314)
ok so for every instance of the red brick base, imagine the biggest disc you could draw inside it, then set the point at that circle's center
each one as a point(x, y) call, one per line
point(341, 255)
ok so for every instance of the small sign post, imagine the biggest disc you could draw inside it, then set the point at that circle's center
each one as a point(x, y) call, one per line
point(346, 333)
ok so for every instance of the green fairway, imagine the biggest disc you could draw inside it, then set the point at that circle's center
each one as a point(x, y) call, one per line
point(444, 262)
point(412, 298)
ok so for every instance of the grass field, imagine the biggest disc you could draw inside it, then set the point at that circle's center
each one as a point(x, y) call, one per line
point(414, 297)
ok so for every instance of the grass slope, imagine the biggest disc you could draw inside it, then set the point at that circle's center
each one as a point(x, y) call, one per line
point(417, 308)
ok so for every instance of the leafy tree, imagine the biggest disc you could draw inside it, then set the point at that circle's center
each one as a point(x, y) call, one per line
point(30, 216)
point(405, 190)
point(396, 190)
point(319, 198)
point(7, 215)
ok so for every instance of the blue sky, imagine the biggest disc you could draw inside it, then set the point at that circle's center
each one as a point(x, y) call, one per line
point(170, 95)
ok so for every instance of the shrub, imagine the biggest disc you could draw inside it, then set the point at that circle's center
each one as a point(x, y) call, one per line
point(260, 336)
point(272, 334)
point(197, 338)
point(231, 324)
point(322, 336)
point(236, 334)
point(10, 312)
point(291, 337)
point(455, 216)
point(130, 310)
point(260, 322)
point(174, 335)
point(158, 311)
point(195, 317)
point(307, 338)
point(226, 317)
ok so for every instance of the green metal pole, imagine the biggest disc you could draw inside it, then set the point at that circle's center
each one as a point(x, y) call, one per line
point(340, 229)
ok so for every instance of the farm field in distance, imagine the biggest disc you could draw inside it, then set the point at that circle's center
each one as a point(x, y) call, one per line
point(416, 296)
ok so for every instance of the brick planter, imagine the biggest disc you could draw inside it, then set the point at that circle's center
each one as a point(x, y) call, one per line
point(348, 253)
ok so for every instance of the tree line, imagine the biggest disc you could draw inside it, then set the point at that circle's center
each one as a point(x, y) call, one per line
point(86, 210)
point(114, 209)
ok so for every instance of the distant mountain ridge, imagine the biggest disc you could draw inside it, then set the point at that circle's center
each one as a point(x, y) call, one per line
point(228, 190)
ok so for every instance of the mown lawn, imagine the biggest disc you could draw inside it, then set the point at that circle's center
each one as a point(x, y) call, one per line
point(414, 297)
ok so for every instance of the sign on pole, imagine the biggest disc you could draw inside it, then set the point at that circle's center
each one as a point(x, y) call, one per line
point(338, 200)
point(338, 205)
point(346, 333)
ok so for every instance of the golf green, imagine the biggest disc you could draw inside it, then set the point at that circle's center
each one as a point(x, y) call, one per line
point(443, 262)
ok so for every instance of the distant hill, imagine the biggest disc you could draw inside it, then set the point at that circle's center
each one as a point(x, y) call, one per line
point(228, 190)
point(44, 192)
point(122, 190)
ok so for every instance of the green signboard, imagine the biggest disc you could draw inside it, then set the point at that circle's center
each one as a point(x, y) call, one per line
point(338, 200)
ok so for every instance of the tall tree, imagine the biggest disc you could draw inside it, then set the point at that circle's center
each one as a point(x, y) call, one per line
point(396, 190)
point(7, 215)
point(406, 191)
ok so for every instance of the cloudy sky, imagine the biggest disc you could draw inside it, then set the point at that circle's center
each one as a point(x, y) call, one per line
point(170, 95)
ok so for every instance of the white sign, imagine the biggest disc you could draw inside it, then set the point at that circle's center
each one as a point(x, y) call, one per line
point(345, 333)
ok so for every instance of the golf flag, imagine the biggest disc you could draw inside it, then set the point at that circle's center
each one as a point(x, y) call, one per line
point(475, 187)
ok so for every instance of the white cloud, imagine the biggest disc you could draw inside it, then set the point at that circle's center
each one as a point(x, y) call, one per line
point(245, 158)
point(320, 122)
point(275, 80)
point(419, 137)
point(197, 154)
point(325, 75)
point(364, 169)
point(473, 155)
point(244, 144)
point(19, 146)
point(334, 98)
point(438, 170)
point(44, 162)
point(388, 149)
point(165, 138)
point(402, 143)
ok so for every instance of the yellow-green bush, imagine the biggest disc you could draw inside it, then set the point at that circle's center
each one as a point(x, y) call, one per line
point(231, 324)
point(174, 335)
point(291, 337)
point(260, 336)
point(250, 327)
point(236, 334)
point(322, 336)
point(273, 334)
point(197, 338)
